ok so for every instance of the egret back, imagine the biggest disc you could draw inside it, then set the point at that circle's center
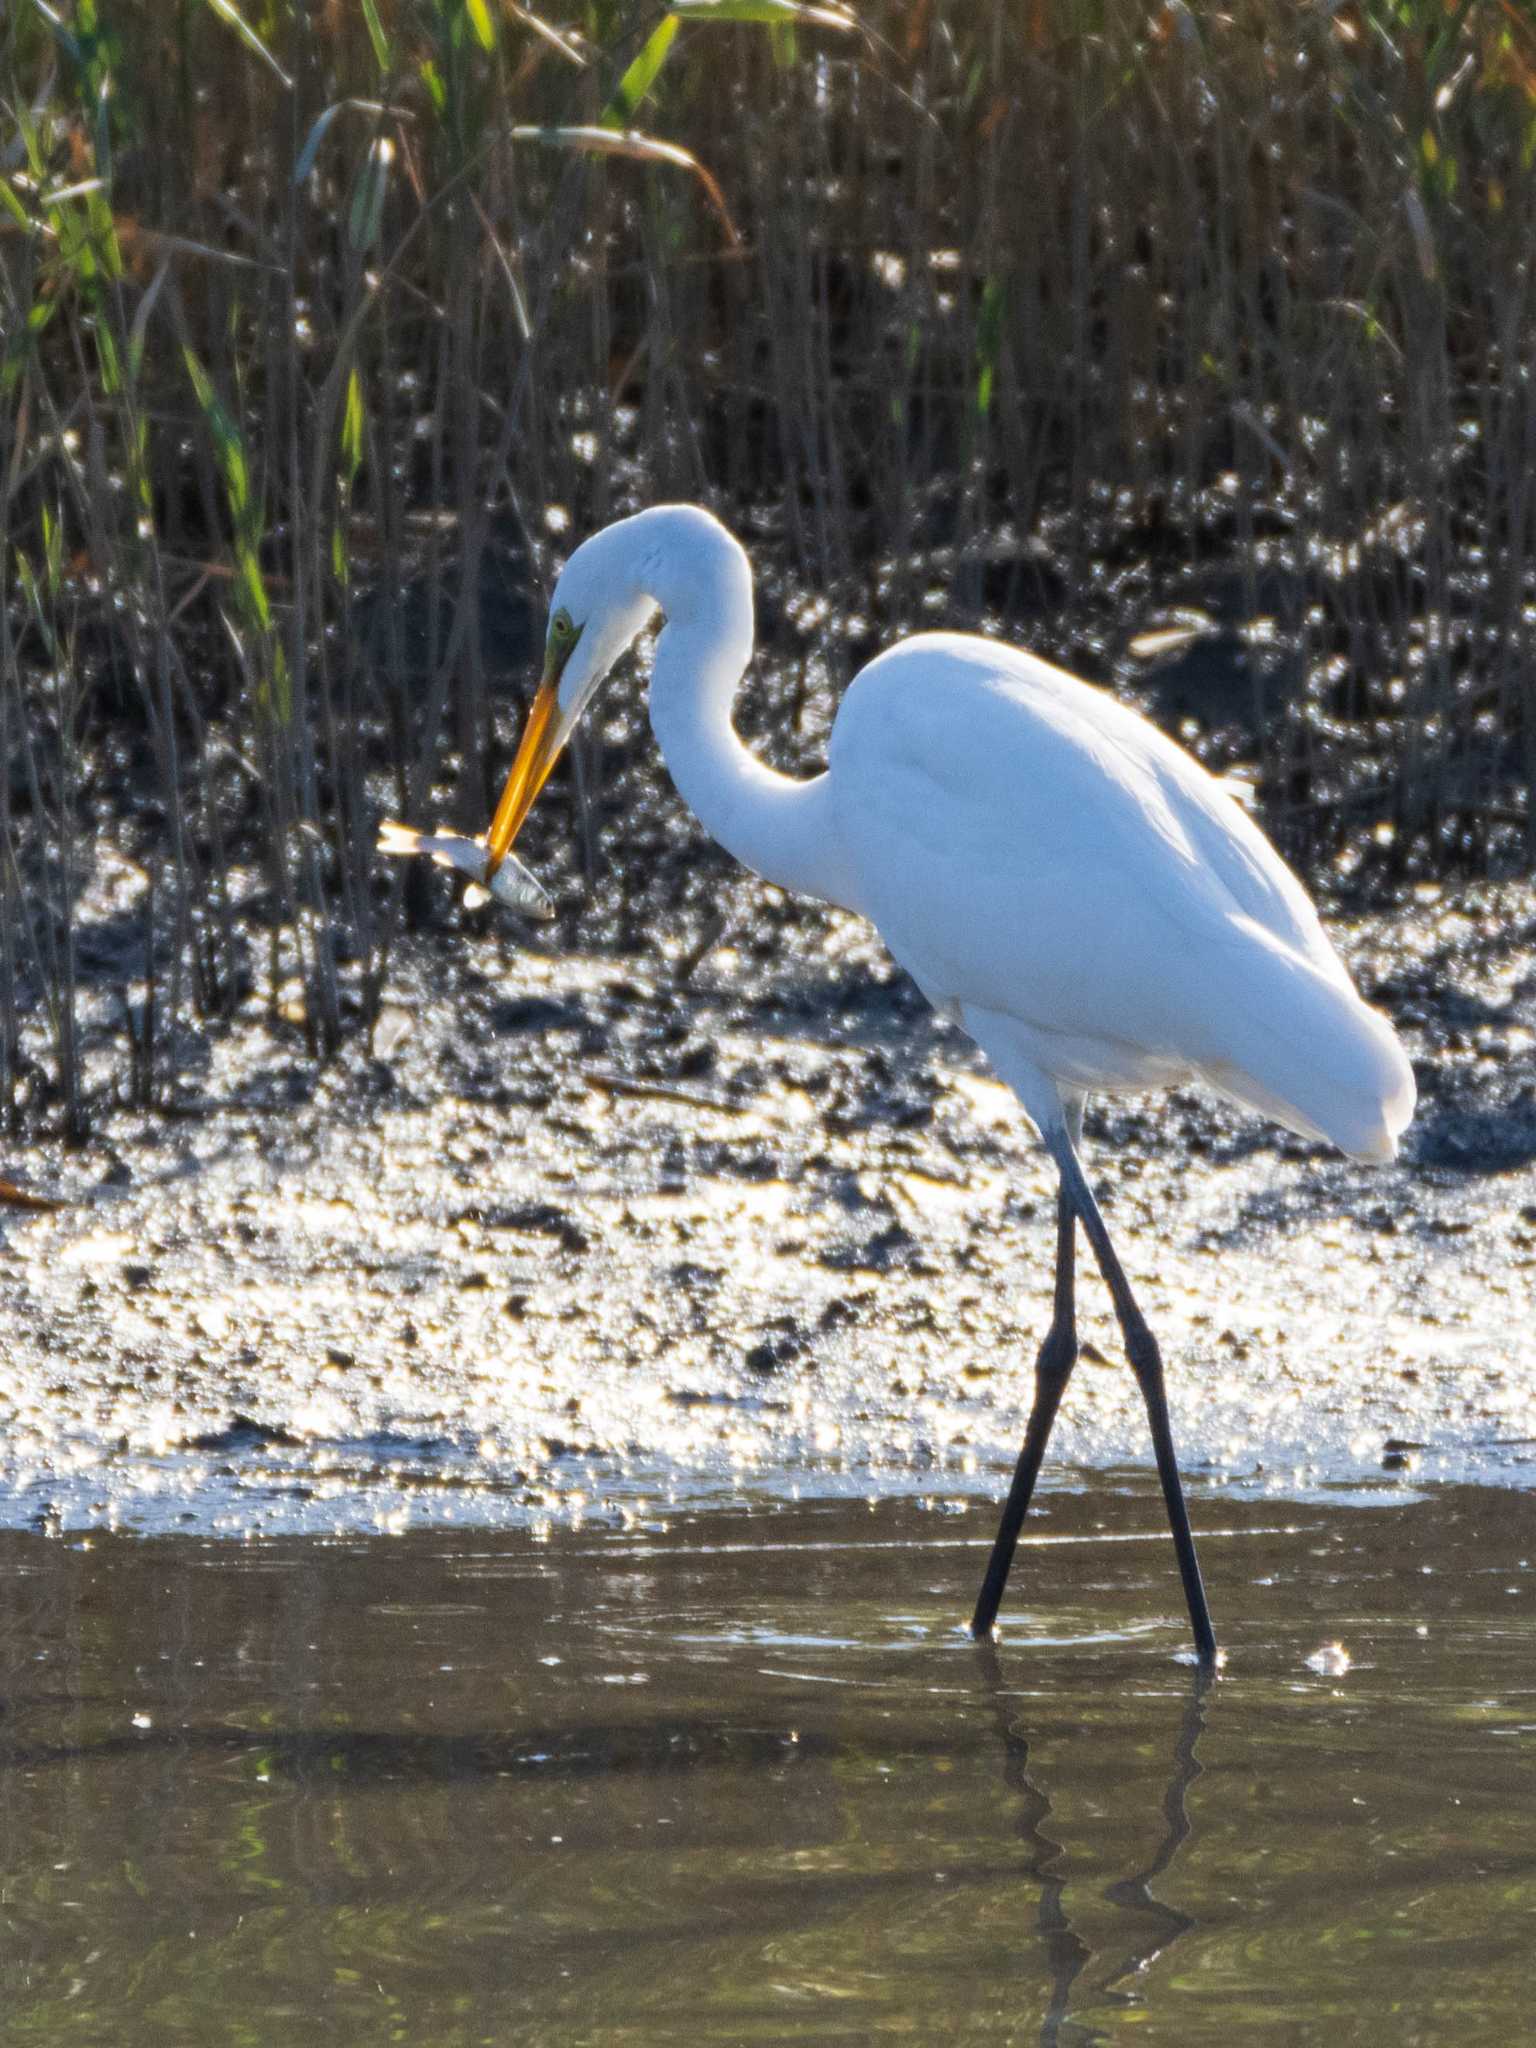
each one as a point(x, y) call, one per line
point(1034, 852)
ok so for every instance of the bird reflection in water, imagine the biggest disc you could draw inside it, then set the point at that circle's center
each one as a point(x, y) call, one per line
point(1067, 1954)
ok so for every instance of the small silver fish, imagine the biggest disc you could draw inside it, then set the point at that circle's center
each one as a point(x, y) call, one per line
point(512, 884)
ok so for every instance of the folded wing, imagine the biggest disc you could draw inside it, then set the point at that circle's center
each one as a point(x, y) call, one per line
point(1033, 850)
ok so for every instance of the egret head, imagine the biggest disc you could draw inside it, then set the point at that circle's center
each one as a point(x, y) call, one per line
point(597, 609)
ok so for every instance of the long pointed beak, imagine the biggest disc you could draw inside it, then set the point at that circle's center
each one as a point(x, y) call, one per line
point(536, 755)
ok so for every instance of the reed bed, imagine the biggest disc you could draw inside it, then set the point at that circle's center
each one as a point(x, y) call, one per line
point(1192, 346)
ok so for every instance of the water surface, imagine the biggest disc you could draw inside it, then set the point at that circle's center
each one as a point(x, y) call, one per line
point(736, 1777)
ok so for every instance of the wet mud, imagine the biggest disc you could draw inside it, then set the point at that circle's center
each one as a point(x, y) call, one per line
point(571, 1231)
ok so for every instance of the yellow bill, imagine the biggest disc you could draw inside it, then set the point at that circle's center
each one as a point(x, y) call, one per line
point(536, 755)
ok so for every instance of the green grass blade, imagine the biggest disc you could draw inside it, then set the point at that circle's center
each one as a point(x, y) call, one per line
point(383, 56)
point(641, 75)
point(229, 447)
point(15, 209)
point(66, 41)
point(771, 13)
point(365, 219)
point(231, 16)
point(480, 21)
point(352, 427)
point(253, 588)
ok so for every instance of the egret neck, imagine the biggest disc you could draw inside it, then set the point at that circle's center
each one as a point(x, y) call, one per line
point(777, 825)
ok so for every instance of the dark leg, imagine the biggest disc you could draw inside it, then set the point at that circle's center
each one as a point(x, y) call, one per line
point(1053, 1368)
point(1146, 1362)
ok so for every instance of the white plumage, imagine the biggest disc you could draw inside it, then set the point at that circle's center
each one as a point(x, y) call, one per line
point(1096, 908)
point(1055, 873)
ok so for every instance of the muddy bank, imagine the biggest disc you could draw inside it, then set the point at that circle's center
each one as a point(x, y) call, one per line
point(576, 1230)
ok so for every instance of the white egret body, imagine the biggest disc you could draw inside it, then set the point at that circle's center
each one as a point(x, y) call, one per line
point(1093, 907)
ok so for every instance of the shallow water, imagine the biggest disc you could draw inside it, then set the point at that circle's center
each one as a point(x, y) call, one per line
point(737, 1777)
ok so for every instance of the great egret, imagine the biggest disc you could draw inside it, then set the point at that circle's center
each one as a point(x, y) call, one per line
point(1054, 873)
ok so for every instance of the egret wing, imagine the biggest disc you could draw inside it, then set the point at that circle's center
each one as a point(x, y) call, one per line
point(1030, 848)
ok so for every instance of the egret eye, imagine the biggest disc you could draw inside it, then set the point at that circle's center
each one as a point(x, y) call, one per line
point(563, 635)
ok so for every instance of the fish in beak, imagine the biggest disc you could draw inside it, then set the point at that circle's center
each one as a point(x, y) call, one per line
point(509, 882)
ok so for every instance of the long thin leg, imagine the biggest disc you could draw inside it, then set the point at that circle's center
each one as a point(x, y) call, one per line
point(1053, 1368)
point(1146, 1362)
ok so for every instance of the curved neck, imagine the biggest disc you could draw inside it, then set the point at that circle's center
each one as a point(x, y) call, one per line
point(778, 826)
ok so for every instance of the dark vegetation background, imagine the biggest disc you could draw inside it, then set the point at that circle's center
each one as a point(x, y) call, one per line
point(1192, 346)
